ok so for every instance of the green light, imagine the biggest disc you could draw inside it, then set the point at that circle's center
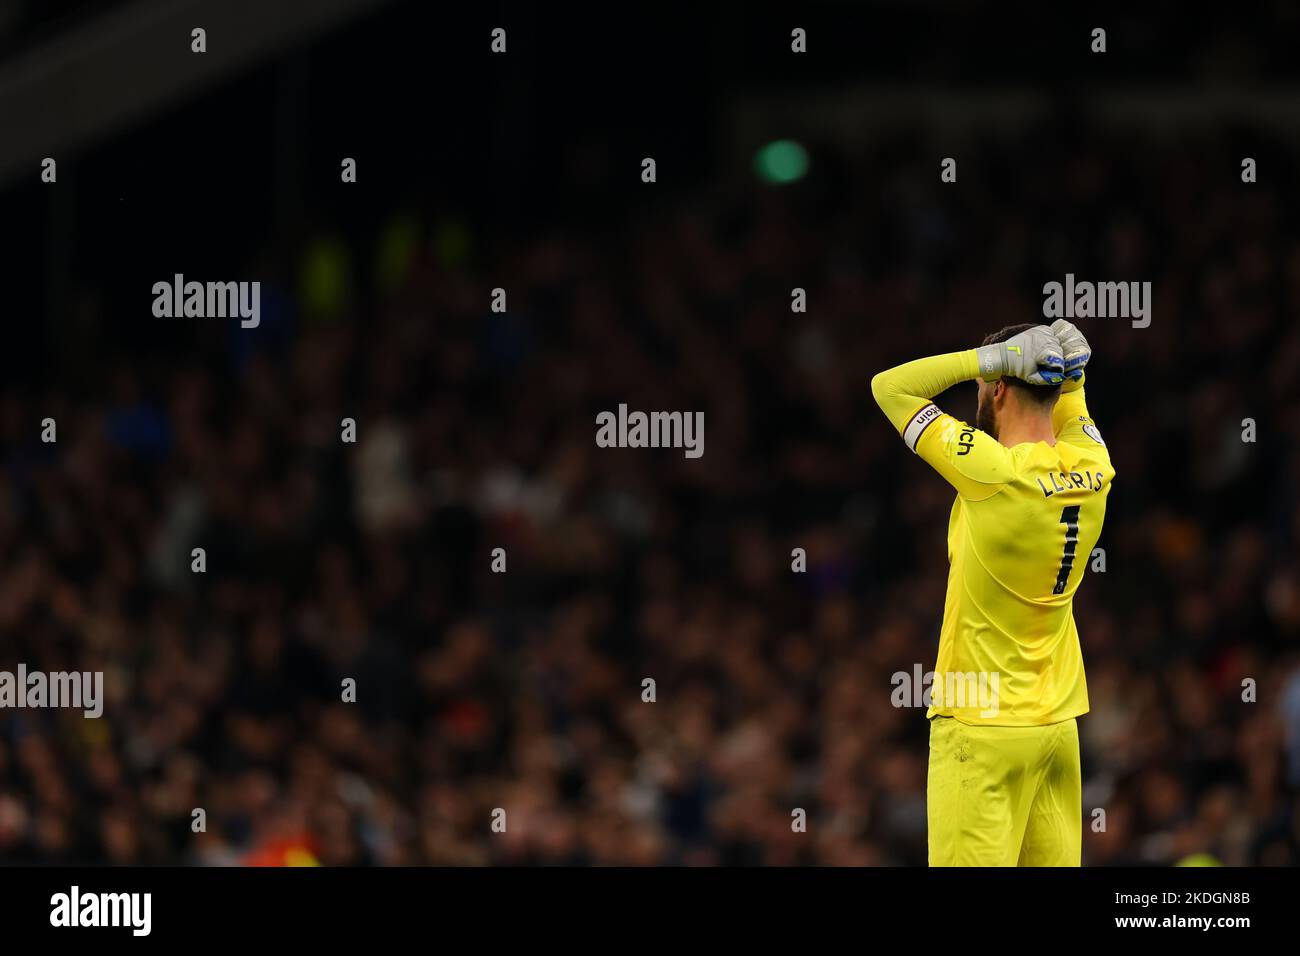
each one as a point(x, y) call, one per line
point(783, 161)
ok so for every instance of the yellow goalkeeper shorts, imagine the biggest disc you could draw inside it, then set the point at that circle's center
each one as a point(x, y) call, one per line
point(1004, 796)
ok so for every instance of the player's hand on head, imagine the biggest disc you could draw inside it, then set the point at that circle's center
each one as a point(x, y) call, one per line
point(1074, 347)
point(1034, 356)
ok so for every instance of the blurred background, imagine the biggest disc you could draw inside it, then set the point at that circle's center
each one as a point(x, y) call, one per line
point(476, 429)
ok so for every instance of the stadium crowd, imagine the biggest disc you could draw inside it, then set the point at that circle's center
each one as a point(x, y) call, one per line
point(524, 691)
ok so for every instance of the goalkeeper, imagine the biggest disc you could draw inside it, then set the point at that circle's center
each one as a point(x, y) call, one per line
point(1031, 477)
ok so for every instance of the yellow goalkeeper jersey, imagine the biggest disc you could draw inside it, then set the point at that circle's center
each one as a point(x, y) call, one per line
point(1020, 536)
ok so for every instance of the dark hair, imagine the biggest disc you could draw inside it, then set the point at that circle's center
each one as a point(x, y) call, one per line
point(1041, 394)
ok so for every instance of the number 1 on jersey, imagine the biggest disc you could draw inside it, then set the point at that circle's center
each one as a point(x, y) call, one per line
point(1069, 518)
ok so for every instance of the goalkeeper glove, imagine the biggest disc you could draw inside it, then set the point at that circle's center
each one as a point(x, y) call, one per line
point(1033, 355)
point(1074, 347)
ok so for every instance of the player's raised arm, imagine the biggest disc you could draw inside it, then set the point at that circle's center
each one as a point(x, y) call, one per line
point(904, 392)
point(971, 460)
point(1071, 412)
point(1070, 419)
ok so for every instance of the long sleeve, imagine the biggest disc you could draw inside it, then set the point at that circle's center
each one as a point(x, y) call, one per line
point(1071, 422)
point(904, 390)
point(973, 462)
point(1070, 409)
